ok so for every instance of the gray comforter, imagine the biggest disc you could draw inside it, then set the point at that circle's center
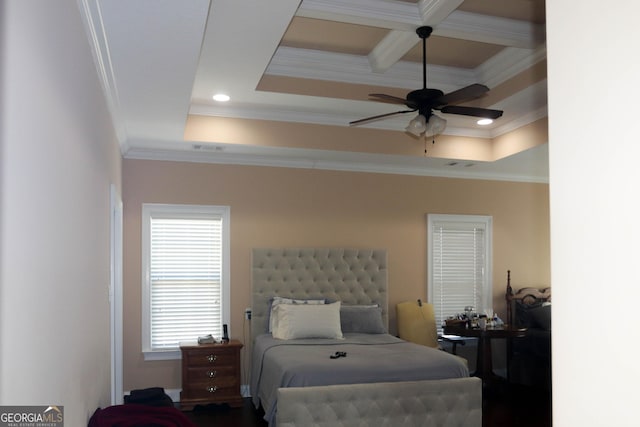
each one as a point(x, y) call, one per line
point(370, 358)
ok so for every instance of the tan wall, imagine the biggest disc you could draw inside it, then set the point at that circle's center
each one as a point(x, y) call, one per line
point(299, 207)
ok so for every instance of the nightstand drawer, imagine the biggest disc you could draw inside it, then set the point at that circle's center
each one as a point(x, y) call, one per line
point(209, 357)
point(204, 373)
point(216, 390)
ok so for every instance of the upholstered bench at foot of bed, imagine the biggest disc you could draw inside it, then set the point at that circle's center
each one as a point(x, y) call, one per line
point(450, 402)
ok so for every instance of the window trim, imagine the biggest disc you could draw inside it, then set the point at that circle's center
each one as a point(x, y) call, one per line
point(195, 211)
point(487, 222)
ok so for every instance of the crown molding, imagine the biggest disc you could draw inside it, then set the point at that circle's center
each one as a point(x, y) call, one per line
point(521, 121)
point(297, 158)
point(396, 15)
point(94, 26)
point(508, 63)
point(268, 112)
point(491, 29)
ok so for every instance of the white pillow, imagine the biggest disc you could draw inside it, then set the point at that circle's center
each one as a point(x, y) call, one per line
point(307, 321)
point(275, 301)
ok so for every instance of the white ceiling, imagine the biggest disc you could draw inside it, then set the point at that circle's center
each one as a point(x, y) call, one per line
point(161, 60)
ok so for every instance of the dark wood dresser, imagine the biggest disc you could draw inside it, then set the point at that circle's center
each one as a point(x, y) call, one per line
point(210, 374)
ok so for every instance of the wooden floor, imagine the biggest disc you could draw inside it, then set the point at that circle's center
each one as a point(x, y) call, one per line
point(223, 416)
point(517, 406)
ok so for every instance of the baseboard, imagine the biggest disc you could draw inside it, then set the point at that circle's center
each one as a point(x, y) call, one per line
point(174, 394)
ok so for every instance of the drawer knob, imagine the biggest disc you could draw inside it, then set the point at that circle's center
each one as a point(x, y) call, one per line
point(211, 374)
point(212, 389)
point(212, 358)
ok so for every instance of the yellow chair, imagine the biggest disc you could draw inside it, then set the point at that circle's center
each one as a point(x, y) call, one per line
point(417, 324)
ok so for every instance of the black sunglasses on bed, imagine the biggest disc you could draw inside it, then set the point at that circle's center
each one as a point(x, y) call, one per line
point(338, 354)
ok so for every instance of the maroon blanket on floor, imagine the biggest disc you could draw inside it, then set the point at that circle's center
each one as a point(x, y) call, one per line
point(133, 415)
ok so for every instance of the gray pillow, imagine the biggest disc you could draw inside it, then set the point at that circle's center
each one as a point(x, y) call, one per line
point(364, 319)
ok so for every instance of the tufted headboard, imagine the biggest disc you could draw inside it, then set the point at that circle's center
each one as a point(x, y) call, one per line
point(353, 276)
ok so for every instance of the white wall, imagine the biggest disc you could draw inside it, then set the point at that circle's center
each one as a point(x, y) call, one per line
point(58, 157)
point(594, 150)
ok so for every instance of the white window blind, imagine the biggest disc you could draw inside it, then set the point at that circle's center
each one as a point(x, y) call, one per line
point(459, 264)
point(186, 273)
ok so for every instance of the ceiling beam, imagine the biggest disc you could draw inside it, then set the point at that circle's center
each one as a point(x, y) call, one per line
point(398, 42)
point(433, 12)
point(390, 49)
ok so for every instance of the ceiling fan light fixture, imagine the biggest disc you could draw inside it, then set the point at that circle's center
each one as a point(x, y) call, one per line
point(435, 125)
point(417, 125)
point(484, 122)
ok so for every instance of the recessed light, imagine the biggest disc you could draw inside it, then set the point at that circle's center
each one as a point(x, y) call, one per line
point(221, 97)
point(484, 122)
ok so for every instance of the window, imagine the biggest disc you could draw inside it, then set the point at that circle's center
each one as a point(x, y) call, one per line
point(185, 268)
point(459, 264)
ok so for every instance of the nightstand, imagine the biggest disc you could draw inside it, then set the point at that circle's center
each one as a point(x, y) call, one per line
point(210, 374)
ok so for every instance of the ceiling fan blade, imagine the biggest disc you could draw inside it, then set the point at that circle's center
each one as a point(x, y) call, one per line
point(471, 111)
point(388, 98)
point(467, 93)
point(381, 116)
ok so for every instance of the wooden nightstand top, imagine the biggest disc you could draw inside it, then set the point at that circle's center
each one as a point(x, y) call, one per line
point(192, 345)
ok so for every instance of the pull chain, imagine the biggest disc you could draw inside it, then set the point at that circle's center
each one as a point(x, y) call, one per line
point(433, 142)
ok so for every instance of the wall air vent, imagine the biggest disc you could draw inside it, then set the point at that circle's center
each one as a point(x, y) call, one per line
point(206, 147)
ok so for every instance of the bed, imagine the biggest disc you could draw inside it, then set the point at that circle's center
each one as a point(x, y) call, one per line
point(530, 357)
point(321, 352)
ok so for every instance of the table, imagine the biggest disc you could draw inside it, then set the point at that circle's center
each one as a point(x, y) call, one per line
point(484, 362)
point(210, 374)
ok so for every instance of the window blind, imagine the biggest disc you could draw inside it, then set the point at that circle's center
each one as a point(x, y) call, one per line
point(459, 261)
point(185, 275)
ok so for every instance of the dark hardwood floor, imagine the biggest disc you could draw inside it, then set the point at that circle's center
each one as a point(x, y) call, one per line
point(516, 406)
point(223, 416)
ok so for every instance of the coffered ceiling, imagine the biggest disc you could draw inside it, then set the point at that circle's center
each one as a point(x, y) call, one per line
point(298, 72)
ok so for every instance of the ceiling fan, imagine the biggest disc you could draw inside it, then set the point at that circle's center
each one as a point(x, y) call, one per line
point(425, 101)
